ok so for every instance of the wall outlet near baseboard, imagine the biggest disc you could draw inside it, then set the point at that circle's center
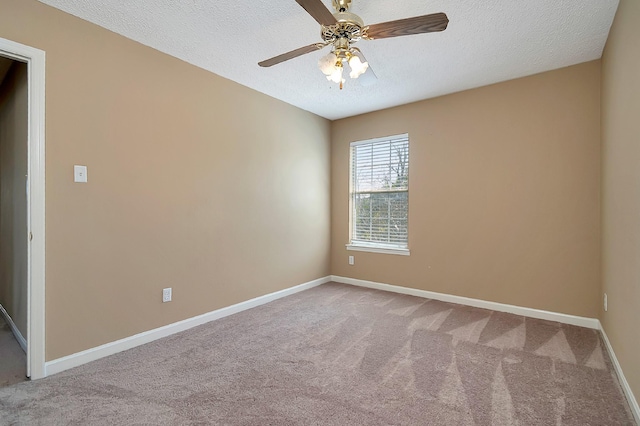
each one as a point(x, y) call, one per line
point(166, 295)
point(606, 304)
point(351, 260)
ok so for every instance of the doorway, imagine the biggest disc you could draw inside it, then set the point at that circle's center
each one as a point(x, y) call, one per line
point(13, 220)
point(22, 210)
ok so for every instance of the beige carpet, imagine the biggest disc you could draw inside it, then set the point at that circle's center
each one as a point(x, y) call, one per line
point(13, 367)
point(341, 355)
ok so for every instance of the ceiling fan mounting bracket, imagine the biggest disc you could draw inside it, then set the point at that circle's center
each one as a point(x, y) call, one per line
point(341, 5)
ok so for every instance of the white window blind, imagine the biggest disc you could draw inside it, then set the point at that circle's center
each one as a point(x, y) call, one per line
point(380, 192)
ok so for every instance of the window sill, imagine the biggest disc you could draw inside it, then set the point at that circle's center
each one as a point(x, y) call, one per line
point(378, 249)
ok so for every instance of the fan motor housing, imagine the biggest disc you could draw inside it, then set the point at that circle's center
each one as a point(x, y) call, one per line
point(349, 26)
point(348, 17)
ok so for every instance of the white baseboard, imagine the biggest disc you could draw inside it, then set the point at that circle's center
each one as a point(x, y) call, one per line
point(494, 306)
point(633, 402)
point(14, 329)
point(77, 359)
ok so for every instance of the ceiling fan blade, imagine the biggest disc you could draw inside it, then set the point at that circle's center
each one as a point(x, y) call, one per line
point(401, 27)
point(293, 54)
point(319, 12)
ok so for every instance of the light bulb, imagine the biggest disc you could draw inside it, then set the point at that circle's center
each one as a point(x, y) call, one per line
point(327, 63)
point(357, 67)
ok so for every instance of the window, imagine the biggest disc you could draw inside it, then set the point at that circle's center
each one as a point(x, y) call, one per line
point(380, 195)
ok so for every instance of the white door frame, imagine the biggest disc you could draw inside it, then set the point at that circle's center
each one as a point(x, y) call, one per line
point(35, 60)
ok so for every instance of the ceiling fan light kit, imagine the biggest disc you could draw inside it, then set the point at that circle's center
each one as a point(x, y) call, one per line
point(342, 29)
point(332, 64)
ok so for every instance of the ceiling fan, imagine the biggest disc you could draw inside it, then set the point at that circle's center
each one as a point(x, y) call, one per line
point(342, 29)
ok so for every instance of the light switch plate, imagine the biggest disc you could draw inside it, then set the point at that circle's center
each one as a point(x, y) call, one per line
point(80, 174)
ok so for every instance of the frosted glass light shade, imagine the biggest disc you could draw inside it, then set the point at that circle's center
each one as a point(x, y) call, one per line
point(357, 67)
point(327, 63)
point(336, 75)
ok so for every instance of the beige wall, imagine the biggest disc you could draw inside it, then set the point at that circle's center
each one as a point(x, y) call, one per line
point(195, 183)
point(621, 189)
point(222, 193)
point(503, 193)
point(13, 198)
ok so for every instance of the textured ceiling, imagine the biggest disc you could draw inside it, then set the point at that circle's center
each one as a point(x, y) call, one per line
point(486, 42)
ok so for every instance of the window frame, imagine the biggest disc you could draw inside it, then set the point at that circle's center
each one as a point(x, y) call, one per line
point(372, 246)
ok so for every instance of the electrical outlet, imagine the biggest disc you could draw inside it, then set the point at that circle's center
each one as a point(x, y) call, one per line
point(79, 173)
point(166, 295)
point(605, 303)
point(351, 260)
